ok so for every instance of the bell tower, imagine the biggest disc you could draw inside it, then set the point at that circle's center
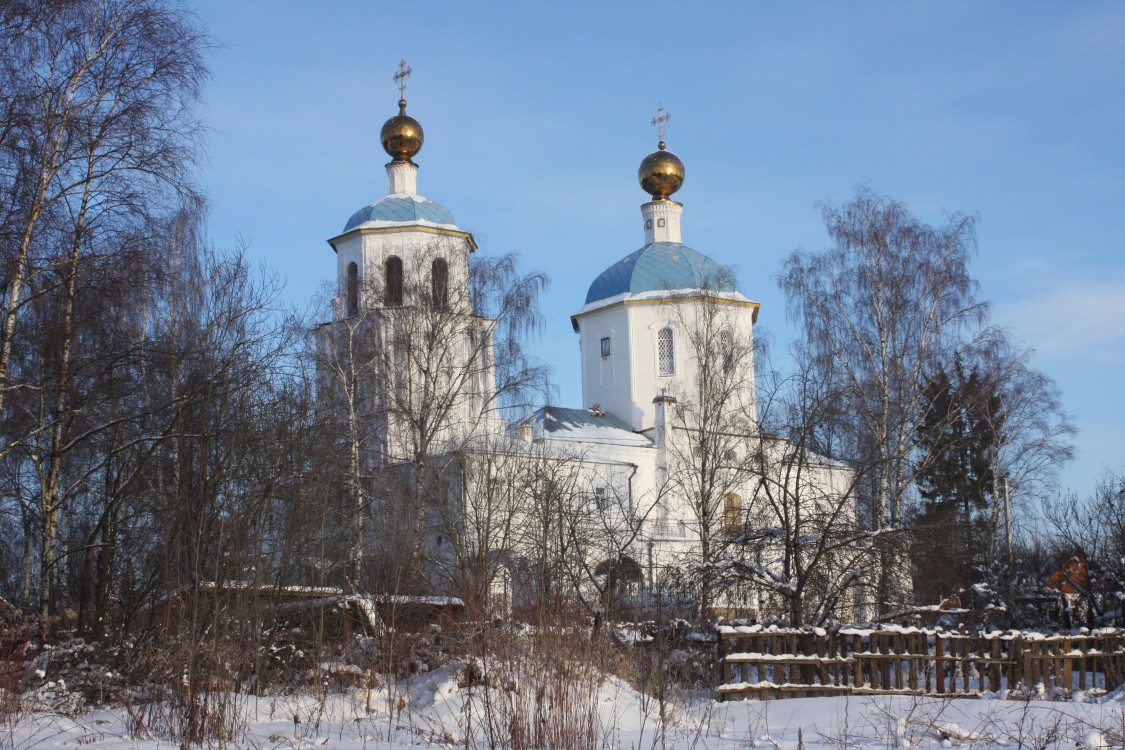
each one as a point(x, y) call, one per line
point(403, 323)
point(402, 249)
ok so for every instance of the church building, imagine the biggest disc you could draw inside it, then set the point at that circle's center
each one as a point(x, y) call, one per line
point(657, 464)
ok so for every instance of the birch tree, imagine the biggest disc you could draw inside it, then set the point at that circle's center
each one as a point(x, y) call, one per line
point(98, 121)
point(98, 139)
point(1031, 436)
point(888, 298)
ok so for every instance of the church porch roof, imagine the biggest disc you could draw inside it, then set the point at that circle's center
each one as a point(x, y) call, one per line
point(582, 425)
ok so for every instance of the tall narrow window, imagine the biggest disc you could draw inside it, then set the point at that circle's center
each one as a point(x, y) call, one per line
point(439, 284)
point(666, 352)
point(392, 281)
point(727, 340)
point(352, 289)
point(732, 511)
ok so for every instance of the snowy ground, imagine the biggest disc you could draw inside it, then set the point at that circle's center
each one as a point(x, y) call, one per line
point(599, 713)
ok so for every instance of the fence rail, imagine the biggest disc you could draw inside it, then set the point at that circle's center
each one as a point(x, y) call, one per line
point(777, 663)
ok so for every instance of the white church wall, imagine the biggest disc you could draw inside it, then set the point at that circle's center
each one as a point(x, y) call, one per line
point(606, 381)
point(417, 249)
point(625, 385)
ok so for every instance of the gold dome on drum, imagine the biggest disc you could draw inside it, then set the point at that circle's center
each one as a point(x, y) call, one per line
point(661, 173)
point(401, 135)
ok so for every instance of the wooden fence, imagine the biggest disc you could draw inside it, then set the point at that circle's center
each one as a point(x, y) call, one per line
point(772, 662)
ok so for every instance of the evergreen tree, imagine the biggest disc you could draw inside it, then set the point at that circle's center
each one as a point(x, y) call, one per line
point(956, 439)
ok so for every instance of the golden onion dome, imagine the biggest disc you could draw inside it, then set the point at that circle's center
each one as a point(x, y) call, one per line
point(402, 135)
point(661, 173)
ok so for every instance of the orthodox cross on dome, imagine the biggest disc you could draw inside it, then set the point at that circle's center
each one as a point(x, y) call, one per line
point(403, 73)
point(658, 121)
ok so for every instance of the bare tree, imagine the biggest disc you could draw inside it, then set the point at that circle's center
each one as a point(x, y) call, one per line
point(413, 379)
point(509, 526)
point(1031, 435)
point(168, 385)
point(1090, 549)
point(348, 379)
point(801, 543)
point(598, 520)
point(533, 527)
point(97, 118)
point(98, 139)
point(713, 427)
point(889, 298)
point(477, 519)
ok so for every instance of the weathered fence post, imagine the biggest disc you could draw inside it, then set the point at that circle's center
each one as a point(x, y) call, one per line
point(939, 665)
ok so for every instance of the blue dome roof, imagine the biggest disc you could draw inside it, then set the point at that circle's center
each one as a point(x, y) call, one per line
point(661, 266)
point(401, 209)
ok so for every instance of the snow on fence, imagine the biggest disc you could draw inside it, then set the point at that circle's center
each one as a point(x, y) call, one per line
point(771, 662)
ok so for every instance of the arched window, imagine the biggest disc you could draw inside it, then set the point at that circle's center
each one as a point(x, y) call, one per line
point(727, 341)
point(732, 510)
point(392, 281)
point(439, 284)
point(666, 352)
point(351, 291)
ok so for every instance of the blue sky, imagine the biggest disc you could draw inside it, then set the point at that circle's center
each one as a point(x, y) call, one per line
point(537, 115)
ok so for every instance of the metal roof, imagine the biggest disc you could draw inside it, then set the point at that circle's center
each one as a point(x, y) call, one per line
point(583, 425)
point(402, 209)
point(661, 266)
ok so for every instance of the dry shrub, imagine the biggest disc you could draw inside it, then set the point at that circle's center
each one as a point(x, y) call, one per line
point(536, 690)
point(16, 650)
point(11, 679)
point(197, 653)
point(187, 694)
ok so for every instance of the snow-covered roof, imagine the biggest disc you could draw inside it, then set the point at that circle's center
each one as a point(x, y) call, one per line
point(659, 295)
point(402, 210)
point(582, 425)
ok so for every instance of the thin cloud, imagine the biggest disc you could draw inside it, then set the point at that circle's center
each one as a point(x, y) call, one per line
point(1077, 318)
